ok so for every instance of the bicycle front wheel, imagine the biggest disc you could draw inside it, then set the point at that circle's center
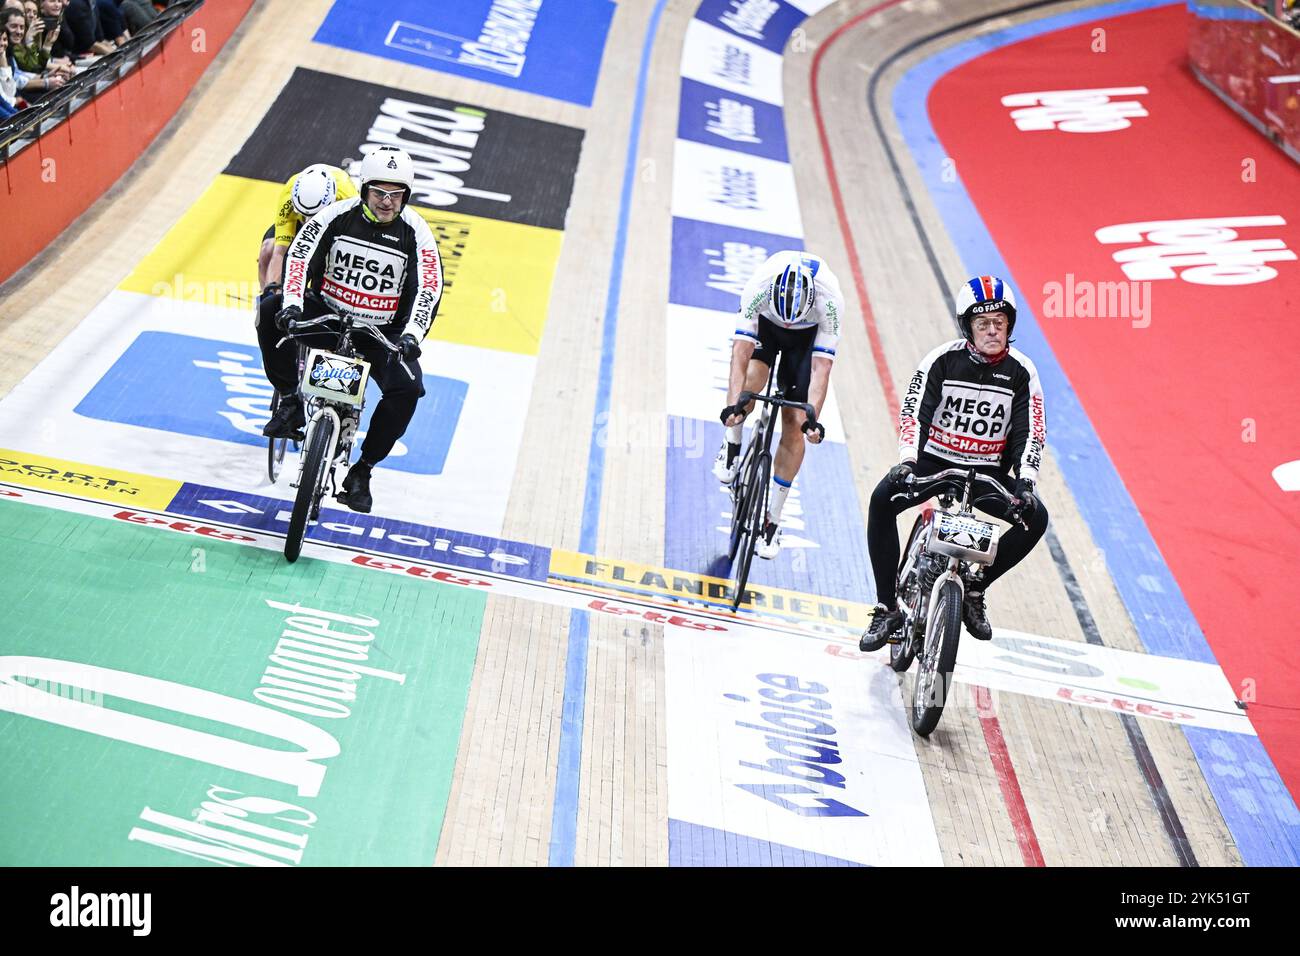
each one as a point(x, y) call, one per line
point(740, 498)
point(754, 514)
point(311, 485)
point(938, 660)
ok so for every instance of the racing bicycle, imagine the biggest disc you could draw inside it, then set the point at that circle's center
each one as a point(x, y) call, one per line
point(333, 387)
point(750, 486)
point(944, 554)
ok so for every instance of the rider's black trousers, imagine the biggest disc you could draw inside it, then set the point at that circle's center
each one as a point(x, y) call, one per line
point(400, 381)
point(882, 531)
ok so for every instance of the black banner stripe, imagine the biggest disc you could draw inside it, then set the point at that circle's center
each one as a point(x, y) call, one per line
point(468, 159)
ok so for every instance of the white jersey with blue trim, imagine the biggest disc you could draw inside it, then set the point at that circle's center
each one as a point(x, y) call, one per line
point(827, 307)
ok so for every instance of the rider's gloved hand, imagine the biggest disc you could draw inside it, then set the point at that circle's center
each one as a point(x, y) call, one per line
point(409, 346)
point(285, 316)
point(730, 411)
point(811, 425)
point(898, 474)
point(1024, 490)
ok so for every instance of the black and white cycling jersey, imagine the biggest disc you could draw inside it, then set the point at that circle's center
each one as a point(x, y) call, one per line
point(382, 274)
point(964, 409)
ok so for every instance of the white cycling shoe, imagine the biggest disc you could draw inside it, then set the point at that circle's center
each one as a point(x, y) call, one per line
point(769, 546)
point(721, 471)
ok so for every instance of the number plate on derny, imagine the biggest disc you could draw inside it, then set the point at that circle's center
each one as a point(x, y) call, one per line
point(969, 533)
point(335, 378)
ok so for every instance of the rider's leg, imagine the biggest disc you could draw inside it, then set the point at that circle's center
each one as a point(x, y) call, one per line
point(789, 456)
point(789, 459)
point(1015, 545)
point(280, 363)
point(1012, 549)
point(756, 373)
point(793, 376)
point(882, 539)
point(264, 258)
point(882, 545)
point(402, 385)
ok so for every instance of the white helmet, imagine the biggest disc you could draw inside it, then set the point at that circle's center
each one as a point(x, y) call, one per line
point(314, 189)
point(388, 164)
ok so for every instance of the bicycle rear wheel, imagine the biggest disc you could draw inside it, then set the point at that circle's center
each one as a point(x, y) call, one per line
point(310, 485)
point(938, 659)
point(275, 446)
point(755, 512)
point(902, 653)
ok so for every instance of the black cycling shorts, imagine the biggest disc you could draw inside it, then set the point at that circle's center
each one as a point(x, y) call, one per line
point(795, 347)
point(270, 233)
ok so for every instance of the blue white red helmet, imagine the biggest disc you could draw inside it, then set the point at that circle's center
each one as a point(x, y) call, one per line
point(794, 290)
point(982, 294)
point(314, 189)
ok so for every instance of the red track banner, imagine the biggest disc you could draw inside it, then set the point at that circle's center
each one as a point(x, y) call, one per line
point(1154, 235)
point(49, 184)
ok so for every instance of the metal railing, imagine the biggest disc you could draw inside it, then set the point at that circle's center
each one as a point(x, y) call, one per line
point(24, 128)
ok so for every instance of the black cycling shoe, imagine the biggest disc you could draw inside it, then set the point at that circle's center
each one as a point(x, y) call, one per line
point(884, 623)
point(288, 421)
point(976, 617)
point(356, 489)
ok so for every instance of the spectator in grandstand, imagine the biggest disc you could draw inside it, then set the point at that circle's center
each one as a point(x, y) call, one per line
point(14, 22)
point(27, 40)
point(65, 41)
point(111, 22)
point(137, 13)
point(81, 16)
point(8, 80)
point(27, 86)
point(10, 6)
point(76, 23)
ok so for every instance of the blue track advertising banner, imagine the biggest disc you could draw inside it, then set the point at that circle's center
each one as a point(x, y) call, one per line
point(549, 47)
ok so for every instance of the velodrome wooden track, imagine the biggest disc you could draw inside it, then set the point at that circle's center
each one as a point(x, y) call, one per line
point(1083, 788)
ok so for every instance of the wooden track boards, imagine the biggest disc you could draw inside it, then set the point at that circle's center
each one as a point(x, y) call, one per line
point(1084, 790)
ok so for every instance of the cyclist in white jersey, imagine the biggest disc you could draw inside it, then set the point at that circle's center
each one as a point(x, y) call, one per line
point(791, 306)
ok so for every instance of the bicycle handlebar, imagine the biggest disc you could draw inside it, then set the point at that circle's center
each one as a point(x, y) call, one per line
point(747, 397)
point(915, 483)
point(300, 327)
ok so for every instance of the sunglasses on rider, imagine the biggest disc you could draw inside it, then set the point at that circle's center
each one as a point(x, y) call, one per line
point(379, 195)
